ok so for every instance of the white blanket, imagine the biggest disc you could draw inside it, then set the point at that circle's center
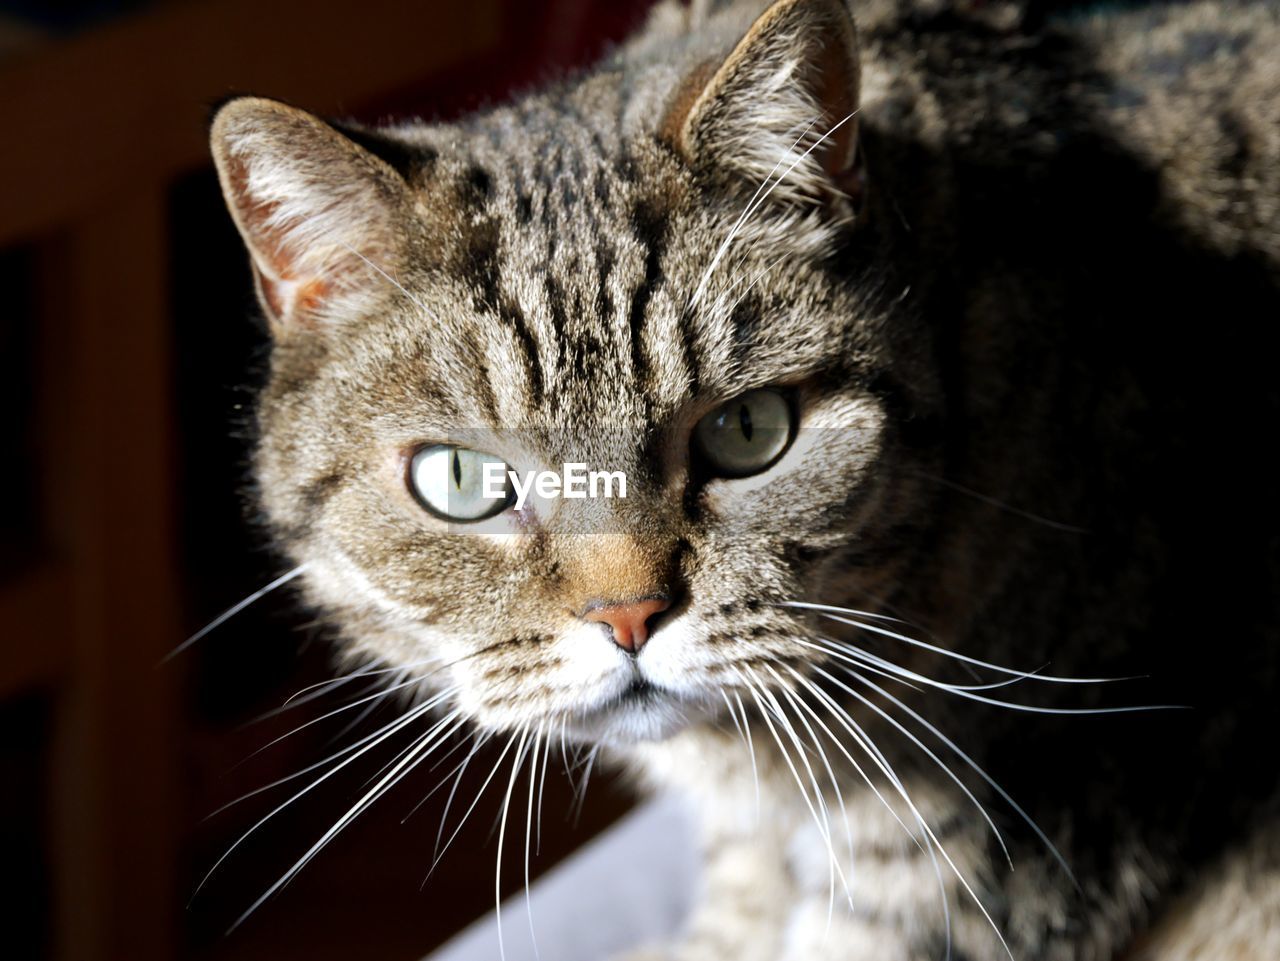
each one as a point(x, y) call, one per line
point(630, 886)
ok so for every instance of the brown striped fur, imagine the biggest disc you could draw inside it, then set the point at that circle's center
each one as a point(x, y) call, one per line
point(1024, 303)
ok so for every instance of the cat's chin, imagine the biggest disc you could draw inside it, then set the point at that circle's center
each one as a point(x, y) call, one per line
point(641, 713)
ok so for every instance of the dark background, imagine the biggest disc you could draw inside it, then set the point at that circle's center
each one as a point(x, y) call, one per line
point(129, 350)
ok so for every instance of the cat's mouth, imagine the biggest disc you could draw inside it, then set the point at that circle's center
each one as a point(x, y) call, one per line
point(640, 691)
point(641, 711)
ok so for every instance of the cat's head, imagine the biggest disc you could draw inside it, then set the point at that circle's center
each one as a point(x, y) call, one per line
point(656, 270)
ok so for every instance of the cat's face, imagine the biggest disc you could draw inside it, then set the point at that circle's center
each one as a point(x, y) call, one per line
point(571, 281)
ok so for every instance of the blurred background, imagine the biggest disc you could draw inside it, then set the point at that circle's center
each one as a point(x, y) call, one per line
point(129, 353)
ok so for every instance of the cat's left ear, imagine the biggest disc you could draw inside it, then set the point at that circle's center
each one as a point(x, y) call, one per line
point(789, 88)
point(319, 213)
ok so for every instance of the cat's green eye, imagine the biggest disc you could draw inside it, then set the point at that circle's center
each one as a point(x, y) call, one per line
point(458, 484)
point(746, 435)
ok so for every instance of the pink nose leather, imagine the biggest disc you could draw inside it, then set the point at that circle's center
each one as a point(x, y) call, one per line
point(629, 622)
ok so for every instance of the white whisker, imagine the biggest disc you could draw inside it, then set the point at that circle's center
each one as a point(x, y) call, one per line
point(746, 213)
point(847, 658)
point(542, 783)
point(881, 762)
point(580, 790)
point(392, 281)
point(374, 741)
point(751, 749)
point(877, 756)
point(232, 611)
point(318, 690)
point(306, 770)
point(329, 714)
point(443, 781)
point(895, 672)
point(1004, 795)
point(476, 744)
point(466, 814)
point(528, 833)
point(564, 745)
point(1001, 505)
point(297, 697)
point(375, 703)
point(797, 702)
point(819, 812)
point(424, 746)
point(882, 667)
point(831, 613)
point(839, 714)
point(934, 757)
point(442, 737)
point(759, 200)
point(516, 764)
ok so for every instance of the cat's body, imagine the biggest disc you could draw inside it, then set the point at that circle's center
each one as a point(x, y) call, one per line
point(1023, 306)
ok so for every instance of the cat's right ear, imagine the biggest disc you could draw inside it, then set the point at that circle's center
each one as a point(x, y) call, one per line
point(317, 212)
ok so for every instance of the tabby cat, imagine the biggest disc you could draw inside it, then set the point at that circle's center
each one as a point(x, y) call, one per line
point(938, 355)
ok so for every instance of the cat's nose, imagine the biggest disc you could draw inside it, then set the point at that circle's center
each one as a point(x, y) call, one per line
point(629, 622)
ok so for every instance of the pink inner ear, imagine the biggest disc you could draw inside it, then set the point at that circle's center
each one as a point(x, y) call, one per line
point(836, 84)
point(288, 297)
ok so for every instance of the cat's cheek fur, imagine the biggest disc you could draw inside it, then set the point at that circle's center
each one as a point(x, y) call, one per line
point(577, 672)
point(677, 660)
point(337, 581)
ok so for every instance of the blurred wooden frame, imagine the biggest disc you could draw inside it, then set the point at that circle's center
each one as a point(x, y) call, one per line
point(96, 131)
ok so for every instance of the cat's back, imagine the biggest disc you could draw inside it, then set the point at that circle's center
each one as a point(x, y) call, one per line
point(1193, 90)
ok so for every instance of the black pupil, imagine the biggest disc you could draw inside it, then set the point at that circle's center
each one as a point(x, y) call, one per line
point(457, 470)
point(744, 420)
